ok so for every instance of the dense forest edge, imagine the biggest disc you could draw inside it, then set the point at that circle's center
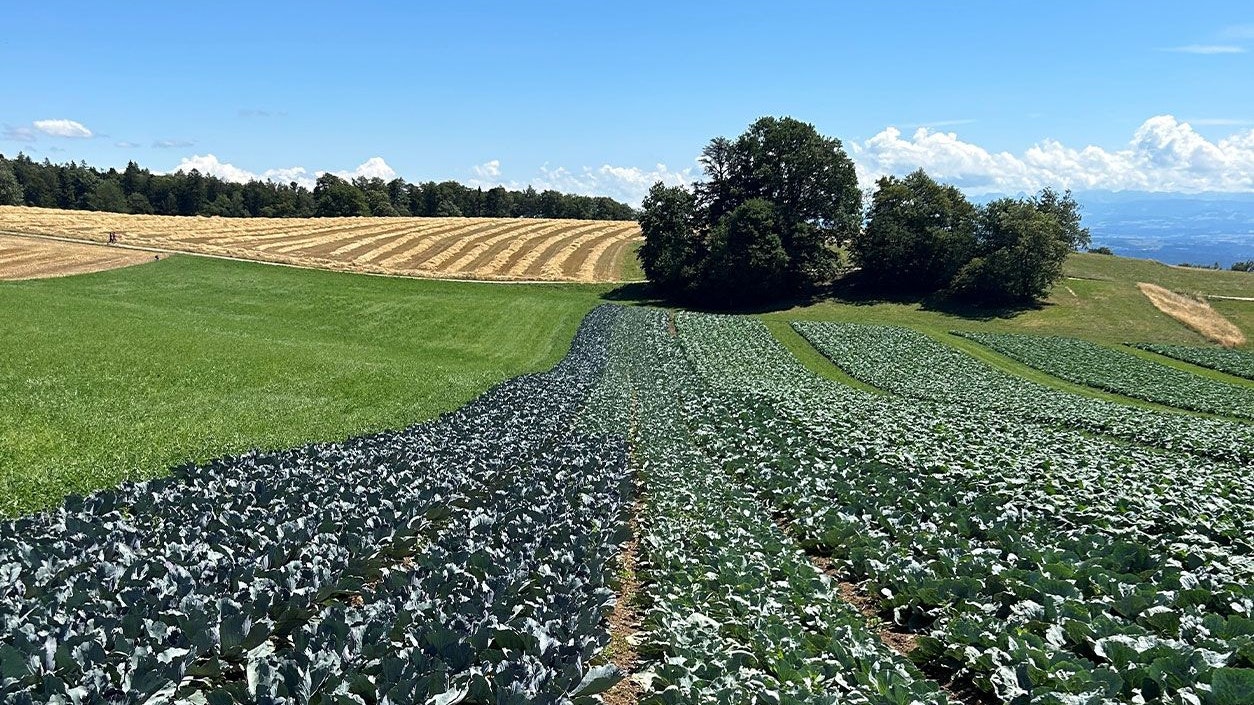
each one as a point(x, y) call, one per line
point(77, 186)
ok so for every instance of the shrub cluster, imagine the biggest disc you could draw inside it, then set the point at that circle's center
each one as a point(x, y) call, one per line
point(923, 237)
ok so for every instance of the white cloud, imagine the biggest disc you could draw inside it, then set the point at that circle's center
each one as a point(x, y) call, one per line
point(372, 168)
point(1164, 154)
point(62, 128)
point(260, 113)
point(1207, 49)
point(487, 170)
point(172, 144)
point(209, 164)
point(126, 145)
point(628, 184)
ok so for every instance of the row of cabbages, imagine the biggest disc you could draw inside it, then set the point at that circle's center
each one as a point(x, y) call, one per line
point(912, 364)
point(1038, 563)
point(736, 612)
point(1119, 371)
point(469, 558)
point(1234, 362)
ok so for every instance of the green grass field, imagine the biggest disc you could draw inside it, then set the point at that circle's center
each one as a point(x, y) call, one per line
point(1097, 300)
point(123, 374)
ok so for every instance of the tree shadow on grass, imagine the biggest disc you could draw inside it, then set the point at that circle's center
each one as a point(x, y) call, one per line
point(849, 290)
point(853, 290)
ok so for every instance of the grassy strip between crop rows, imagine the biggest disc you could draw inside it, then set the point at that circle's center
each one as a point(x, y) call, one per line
point(1123, 372)
point(912, 364)
point(1239, 363)
point(124, 374)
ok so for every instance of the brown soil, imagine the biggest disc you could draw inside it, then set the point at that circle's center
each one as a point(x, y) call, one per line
point(1195, 313)
point(625, 622)
point(960, 691)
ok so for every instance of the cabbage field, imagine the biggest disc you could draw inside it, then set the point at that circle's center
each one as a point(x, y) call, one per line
point(1234, 362)
point(1121, 372)
point(967, 537)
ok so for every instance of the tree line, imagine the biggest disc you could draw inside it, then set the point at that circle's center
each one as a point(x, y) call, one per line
point(24, 181)
point(780, 211)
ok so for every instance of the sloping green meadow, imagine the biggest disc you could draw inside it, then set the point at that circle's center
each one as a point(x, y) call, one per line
point(123, 374)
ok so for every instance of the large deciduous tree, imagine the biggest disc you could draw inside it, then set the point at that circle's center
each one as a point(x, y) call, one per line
point(1020, 249)
point(764, 223)
point(918, 234)
point(334, 196)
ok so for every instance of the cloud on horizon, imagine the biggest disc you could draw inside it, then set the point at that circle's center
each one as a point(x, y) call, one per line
point(628, 184)
point(374, 167)
point(1164, 154)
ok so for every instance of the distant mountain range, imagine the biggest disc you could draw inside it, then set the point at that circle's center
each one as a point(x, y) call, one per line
point(1201, 229)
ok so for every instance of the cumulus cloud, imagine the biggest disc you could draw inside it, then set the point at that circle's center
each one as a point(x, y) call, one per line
point(1164, 154)
point(49, 128)
point(210, 165)
point(62, 128)
point(488, 170)
point(628, 184)
point(372, 168)
point(1207, 49)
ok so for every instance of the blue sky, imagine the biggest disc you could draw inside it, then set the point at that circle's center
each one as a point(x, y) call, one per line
point(994, 96)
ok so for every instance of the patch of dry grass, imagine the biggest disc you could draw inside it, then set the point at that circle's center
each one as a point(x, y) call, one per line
point(1195, 313)
point(37, 258)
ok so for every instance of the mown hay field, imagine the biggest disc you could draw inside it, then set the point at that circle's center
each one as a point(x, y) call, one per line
point(35, 258)
point(508, 249)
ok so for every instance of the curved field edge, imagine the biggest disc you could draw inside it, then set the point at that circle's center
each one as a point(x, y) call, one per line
point(124, 374)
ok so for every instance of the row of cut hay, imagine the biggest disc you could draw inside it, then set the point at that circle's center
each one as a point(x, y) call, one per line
point(31, 258)
point(487, 248)
point(442, 259)
point(481, 260)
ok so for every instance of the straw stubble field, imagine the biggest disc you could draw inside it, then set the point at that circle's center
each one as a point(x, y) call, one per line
point(508, 249)
point(34, 258)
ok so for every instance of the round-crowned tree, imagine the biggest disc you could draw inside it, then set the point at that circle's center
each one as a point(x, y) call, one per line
point(918, 234)
point(805, 200)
